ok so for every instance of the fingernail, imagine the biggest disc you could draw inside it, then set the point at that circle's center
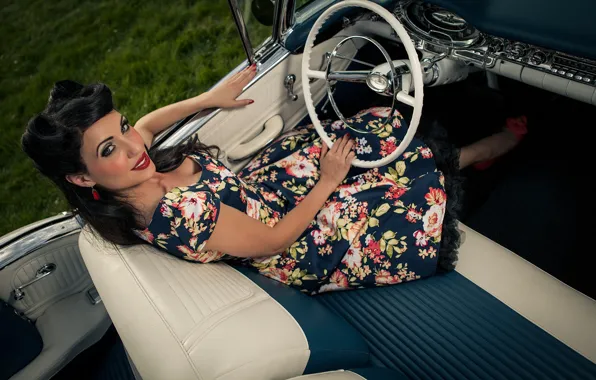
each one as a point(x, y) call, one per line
point(251, 101)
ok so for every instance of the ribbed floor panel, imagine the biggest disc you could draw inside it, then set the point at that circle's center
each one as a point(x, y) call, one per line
point(446, 327)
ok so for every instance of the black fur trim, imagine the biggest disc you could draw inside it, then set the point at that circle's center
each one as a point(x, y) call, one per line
point(446, 157)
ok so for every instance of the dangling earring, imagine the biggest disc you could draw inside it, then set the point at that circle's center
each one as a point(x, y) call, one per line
point(95, 194)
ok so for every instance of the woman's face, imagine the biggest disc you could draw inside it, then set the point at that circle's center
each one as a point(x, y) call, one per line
point(114, 154)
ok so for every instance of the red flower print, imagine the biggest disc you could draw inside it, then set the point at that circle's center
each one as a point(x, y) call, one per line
point(318, 237)
point(395, 192)
point(378, 111)
point(299, 167)
point(433, 220)
point(146, 235)
point(314, 151)
point(421, 238)
point(340, 279)
point(413, 215)
point(387, 147)
point(435, 196)
point(352, 258)
point(280, 274)
point(385, 277)
point(426, 152)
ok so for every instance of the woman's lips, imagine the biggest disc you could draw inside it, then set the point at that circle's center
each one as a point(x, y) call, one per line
point(143, 162)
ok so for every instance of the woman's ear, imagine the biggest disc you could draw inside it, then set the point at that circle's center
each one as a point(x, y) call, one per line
point(80, 180)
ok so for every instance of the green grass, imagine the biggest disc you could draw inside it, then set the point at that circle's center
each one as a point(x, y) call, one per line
point(151, 53)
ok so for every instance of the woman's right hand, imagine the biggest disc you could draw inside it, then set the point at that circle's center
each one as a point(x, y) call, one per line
point(336, 162)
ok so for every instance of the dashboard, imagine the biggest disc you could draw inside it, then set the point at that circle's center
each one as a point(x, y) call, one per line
point(441, 32)
point(549, 44)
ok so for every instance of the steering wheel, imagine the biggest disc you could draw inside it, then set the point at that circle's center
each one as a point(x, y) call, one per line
point(378, 82)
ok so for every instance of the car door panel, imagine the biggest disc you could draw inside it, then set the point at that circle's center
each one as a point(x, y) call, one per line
point(229, 127)
point(69, 277)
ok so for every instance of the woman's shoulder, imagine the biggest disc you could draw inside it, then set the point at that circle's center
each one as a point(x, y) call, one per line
point(189, 202)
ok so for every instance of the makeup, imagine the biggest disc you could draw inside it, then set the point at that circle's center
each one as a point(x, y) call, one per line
point(143, 162)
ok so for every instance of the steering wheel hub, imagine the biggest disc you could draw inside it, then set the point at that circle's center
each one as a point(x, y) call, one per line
point(378, 82)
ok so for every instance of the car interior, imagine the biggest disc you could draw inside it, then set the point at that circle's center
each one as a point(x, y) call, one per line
point(520, 302)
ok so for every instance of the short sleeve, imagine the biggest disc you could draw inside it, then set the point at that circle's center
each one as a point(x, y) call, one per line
point(192, 216)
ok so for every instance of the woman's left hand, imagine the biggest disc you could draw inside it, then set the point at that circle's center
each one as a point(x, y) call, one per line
point(224, 95)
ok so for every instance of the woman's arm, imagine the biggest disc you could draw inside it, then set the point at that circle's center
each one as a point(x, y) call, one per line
point(223, 96)
point(240, 235)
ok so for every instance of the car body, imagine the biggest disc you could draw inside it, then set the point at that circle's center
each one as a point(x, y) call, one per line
point(496, 316)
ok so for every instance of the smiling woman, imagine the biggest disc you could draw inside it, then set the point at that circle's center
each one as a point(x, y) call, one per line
point(97, 159)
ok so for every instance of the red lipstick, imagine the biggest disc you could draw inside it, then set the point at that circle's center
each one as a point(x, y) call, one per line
point(143, 162)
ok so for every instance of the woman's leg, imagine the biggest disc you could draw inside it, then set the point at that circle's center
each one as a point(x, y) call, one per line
point(490, 147)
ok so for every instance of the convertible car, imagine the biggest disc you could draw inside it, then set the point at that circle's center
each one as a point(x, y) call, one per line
point(519, 304)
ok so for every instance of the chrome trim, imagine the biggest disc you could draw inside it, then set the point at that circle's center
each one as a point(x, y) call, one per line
point(42, 272)
point(354, 76)
point(289, 85)
point(401, 13)
point(17, 234)
point(429, 61)
point(271, 57)
point(31, 240)
point(283, 18)
point(353, 60)
point(241, 26)
point(311, 9)
point(478, 57)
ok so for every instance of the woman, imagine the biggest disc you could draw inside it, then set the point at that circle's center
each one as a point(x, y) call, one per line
point(298, 213)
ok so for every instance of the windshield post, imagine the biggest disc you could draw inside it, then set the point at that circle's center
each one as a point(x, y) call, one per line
point(242, 30)
point(283, 18)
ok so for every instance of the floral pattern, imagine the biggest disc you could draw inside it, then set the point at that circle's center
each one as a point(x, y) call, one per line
point(381, 226)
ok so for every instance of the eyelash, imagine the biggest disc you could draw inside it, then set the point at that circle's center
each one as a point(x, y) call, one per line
point(107, 151)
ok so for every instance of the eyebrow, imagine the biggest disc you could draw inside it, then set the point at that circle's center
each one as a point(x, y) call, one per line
point(122, 122)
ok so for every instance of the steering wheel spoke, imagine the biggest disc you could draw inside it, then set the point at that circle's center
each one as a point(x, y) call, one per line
point(353, 76)
point(315, 74)
point(405, 98)
point(337, 55)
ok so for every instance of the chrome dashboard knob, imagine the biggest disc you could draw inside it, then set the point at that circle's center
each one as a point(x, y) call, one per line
point(517, 50)
point(538, 58)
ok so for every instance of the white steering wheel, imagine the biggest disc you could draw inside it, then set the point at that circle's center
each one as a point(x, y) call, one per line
point(371, 77)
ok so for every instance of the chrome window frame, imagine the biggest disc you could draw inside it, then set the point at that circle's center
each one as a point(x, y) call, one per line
point(21, 242)
point(284, 18)
point(242, 30)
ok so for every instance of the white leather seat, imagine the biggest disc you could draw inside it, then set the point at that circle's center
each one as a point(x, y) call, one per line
point(183, 320)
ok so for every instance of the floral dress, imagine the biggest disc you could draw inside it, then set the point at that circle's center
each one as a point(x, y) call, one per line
point(381, 226)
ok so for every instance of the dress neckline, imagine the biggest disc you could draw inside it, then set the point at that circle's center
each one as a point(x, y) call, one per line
point(196, 158)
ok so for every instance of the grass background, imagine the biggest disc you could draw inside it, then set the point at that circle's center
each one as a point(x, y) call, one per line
point(150, 53)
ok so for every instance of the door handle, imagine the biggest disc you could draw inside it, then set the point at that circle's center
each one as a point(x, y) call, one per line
point(271, 130)
point(42, 272)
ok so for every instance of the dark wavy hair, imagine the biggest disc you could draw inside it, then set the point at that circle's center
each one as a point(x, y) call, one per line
point(53, 140)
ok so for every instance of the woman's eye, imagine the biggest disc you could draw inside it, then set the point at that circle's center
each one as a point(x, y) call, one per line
point(107, 150)
point(125, 127)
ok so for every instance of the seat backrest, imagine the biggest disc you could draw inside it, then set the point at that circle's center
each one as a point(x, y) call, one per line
point(183, 320)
